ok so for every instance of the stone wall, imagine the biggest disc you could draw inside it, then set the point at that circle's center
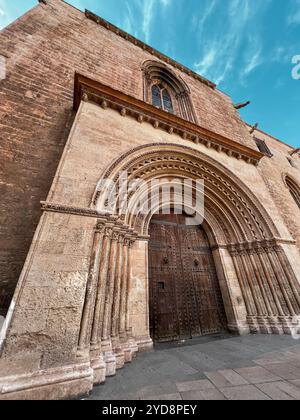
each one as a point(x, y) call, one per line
point(274, 170)
point(102, 136)
point(44, 49)
point(57, 337)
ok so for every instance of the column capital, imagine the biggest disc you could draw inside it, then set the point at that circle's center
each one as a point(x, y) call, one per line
point(100, 225)
point(116, 233)
point(108, 232)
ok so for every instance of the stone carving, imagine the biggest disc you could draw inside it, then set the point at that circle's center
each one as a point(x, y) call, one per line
point(265, 278)
point(202, 167)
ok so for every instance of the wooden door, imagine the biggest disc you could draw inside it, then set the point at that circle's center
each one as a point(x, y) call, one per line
point(185, 297)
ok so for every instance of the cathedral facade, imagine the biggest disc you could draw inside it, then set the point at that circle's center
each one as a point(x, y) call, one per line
point(91, 275)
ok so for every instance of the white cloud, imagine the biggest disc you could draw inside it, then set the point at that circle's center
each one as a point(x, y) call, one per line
point(219, 60)
point(139, 17)
point(294, 17)
point(253, 57)
point(199, 22)
point(4, 18)
point(253, 63)
point(148, 10)
point(223, 48)
point(282, 55)
point(128, 22)
point(207, 61)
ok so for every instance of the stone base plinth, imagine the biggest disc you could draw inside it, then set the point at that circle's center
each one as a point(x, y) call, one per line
point(54, 384)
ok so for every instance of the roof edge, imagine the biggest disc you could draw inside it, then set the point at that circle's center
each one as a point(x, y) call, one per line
point(272, 137)
point(120, 32)
point(86, 89)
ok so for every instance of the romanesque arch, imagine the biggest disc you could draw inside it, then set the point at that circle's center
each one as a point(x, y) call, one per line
point(259, 287)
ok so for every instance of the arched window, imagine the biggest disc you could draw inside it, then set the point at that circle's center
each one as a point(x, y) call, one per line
point(162, 99)
point(167, 91)
point(294, 190)
point(167, 101)
point(156, 96)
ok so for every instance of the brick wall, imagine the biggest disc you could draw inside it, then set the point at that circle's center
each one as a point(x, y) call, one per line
point(44, 49)
point(274, 169)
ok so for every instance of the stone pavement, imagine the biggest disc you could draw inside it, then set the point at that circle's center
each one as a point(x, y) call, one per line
point(255, 367)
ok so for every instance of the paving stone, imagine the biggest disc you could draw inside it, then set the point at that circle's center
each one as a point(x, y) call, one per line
point(285, 370)
point(194, 386)
point(244, 393)
point(169, 397)
point(291, 356)
point(158, 390)
point(201, 361)
point(296, 383)
point(205, 395)
point(280, 390)
point(258, 375)
point(175, 369)
point(295, 350)
point(272, 358)
point(224, 378)
point(149, 376)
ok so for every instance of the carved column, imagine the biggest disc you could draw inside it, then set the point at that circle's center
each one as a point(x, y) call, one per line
point(271, 279)
point(91, 289)
point(109, 357)
point(264, 284)
point(123, 302)
point(280, 279)
point(269, 286)
point(254, 279)
point(290, 276)
point(252, 286)
point(248, 287)
point(129, 333)
point(115, 323)
point(96, 335)
point(264, 322)
point(244, 287)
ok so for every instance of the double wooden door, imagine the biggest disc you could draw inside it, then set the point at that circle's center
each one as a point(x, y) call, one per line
point(185, 296)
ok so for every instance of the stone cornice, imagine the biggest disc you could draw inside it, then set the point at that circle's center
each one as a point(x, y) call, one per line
point(90, 90)
point(79, 211)
point(107, 25)
point(103, 218)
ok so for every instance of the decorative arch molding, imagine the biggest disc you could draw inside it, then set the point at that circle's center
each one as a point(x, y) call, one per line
point(293, 186)
point(157, 73)
point(242, 235)
point(163, 159)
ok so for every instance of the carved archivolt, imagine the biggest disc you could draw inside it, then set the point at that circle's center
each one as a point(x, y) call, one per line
point(223, 189)
point(236, 224)
point(234, 221)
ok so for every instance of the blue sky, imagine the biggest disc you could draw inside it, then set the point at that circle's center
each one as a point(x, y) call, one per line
point(245, 46)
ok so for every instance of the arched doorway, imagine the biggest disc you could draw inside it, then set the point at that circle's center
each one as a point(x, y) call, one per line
point(185, 296)
point(259, 283)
